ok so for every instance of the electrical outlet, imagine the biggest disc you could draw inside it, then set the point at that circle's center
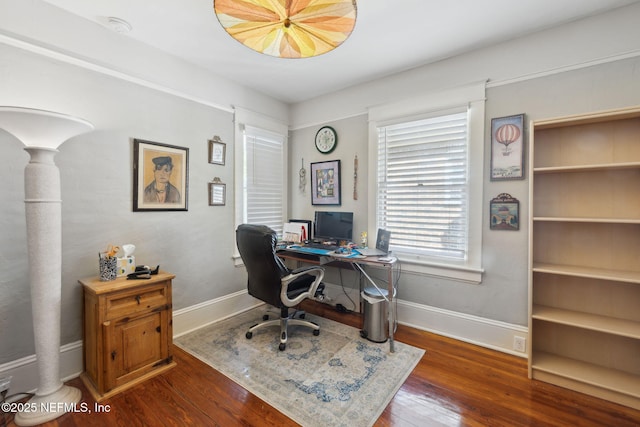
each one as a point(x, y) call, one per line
point(520, 344)
point(4, 384)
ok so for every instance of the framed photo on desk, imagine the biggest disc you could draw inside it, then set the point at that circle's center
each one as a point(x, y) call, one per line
point(308, 227)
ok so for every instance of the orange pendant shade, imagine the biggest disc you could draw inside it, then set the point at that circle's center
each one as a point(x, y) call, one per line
point(288, 28)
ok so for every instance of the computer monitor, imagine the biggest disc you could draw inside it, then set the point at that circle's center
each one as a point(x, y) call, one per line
point(334, 226)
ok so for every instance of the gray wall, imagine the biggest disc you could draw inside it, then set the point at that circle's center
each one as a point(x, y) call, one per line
point(503, 293)
point(96, 180)
point(580, 67)
point(197, 245)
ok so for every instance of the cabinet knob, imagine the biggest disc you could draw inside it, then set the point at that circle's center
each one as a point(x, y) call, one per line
point(113, 355)
point(138, 299)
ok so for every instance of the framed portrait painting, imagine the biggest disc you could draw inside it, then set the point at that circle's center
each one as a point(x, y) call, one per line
point(160, 176)
point(507, 148)
point(325, 183)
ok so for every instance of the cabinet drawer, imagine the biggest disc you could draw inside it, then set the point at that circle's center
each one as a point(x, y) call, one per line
point(128, 303)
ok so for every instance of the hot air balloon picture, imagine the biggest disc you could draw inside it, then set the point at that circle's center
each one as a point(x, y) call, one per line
point(507, 148)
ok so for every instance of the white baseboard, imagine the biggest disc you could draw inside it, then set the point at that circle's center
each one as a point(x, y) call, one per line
point(472, 329)
point(196, 316)
point(476, 330)
point(24, 371)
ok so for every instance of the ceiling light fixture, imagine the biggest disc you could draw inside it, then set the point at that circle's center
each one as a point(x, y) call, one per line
point(118, 25)
point(288, 29)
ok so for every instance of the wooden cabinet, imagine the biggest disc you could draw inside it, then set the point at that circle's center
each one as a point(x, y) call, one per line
point(127, 332)
point(584, 233)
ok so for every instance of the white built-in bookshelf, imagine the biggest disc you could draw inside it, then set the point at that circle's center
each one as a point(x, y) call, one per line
point(584, 235)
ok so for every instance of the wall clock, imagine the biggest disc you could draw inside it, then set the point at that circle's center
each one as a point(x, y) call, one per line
point(326, 139)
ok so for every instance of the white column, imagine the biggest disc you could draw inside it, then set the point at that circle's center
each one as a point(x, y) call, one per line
point(42, 132)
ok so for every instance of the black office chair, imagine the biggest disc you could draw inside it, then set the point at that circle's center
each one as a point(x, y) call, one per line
point(272, 282)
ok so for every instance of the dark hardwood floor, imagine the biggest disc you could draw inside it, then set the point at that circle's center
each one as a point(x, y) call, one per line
point(455, 384)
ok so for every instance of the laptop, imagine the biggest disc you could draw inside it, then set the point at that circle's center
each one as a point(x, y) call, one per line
point(382, 245)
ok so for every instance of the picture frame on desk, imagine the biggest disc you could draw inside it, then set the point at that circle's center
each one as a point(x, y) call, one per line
point(308, 225)
point(325, 183)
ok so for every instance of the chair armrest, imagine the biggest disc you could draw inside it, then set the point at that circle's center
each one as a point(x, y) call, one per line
point(316, 271)
point(306, 269)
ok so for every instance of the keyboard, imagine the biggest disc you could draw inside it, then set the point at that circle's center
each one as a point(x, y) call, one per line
point(321, 246)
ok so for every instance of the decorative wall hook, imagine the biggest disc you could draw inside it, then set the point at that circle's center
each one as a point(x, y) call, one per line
point(303, 177)
point(355, 178)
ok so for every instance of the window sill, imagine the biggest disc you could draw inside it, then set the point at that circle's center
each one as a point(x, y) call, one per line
point(460, 273)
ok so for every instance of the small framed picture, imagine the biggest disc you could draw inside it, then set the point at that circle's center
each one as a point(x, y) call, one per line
point(160, 176)
point(507, 148)
point(504, 213)
point(217, 193)
point(217, 151)
point(306, 226)
point(325, 183)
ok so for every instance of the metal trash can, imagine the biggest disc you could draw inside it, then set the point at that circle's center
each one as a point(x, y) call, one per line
point(376, 314)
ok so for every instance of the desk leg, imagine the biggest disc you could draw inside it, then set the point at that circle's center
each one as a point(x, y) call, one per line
point(392, 314)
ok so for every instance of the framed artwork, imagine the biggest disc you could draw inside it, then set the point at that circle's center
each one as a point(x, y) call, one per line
point(325, 183)
point(217, 193)
point(507, 148)
point(217, 151)
point(160, 176)
point(504, 213)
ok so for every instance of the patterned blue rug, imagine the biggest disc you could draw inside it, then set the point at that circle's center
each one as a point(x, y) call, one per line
point(334, 379)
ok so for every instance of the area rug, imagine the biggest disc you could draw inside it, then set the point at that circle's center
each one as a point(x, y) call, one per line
point(334, 379)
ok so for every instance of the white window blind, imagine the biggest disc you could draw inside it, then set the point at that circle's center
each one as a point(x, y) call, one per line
point(423, 185)
point(264, 178)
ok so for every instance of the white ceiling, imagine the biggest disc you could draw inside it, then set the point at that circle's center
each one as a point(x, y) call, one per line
point(390, 36)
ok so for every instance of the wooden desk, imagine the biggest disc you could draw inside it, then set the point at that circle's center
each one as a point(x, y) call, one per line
point(359, 264)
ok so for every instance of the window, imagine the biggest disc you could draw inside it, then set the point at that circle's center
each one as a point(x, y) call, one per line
point(426, 189)
point(264, 178)
point(260, 174)
point(422, 185)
